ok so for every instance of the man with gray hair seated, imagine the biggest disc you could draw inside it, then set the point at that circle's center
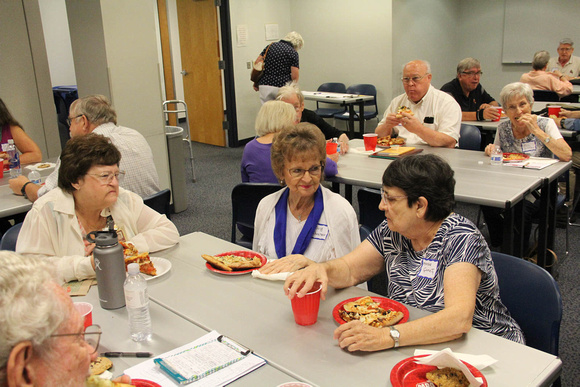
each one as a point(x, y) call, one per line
point(435, 117)
point(475, 102)
point(43, 341)
point(95, 113)
point(565, 65)
point(540, 79)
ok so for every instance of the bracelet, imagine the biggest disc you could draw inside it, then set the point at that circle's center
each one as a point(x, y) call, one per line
point(479, 115)
point(23, 189)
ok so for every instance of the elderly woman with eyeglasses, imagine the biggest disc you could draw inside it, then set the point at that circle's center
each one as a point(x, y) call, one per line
point(434, 259)
point(304, 217)
point(88, 198)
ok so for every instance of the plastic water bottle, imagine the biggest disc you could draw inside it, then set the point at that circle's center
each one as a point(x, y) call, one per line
point(34, 177)
point(496, 155)
point(137, 302)
point(13, 159)
point(335, 139)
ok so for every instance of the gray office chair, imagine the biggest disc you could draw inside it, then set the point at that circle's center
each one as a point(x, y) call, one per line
point(10, 237)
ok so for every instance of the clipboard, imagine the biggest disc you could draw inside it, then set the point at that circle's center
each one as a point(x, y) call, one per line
point(202, 360)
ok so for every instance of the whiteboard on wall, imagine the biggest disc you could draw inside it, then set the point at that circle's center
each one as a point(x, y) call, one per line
point(531, 26)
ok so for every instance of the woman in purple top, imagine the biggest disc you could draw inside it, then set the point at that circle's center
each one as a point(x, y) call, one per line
point(11, 129)
point(256, 165)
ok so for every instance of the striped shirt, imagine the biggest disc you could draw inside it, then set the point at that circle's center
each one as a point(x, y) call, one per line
point(457, 240)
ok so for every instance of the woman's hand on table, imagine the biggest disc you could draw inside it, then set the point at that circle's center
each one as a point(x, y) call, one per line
point(343, 139)
point(357, 336)
point(291, 263)
point(489, 149)
point(304, 280)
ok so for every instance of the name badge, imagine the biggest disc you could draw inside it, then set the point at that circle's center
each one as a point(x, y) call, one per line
point(428, 268)
point(528, 147)
point(321, 232)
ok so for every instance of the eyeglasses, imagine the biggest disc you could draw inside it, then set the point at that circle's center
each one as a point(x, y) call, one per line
point(69, 119)
point(408, 80)
point(472, 73)
point(107, 177)
point(91, 335)
point(390, 199)
point(314, 171)
point(565, 49)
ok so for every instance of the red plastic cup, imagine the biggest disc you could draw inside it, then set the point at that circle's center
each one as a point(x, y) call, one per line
point(499, 110)
point(2, 169)
point(554, 111)
point(331, 148)
point(370, 140)
point(306, 308)
point(86, 311)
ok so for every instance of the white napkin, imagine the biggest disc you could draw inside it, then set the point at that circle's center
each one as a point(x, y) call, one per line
point(446, 358)
point(361, 150)
point(478, 361)
point(271, 277)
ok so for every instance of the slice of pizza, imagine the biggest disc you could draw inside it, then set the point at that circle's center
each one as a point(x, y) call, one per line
point(129, 249)
point(401, 110)
point(233, 262)
point(144, 261)
point(447, 376)
point(362, 305)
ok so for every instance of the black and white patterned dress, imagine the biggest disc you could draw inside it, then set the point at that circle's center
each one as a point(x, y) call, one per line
point(416, 277)
point(278, 65)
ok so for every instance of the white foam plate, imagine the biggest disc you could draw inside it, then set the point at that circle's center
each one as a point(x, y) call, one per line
point(162, 265)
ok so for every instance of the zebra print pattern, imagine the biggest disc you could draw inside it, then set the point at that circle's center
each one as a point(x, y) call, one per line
point(457, 240)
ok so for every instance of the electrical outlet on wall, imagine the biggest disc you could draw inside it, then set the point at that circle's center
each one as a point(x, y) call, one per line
point(249, 65)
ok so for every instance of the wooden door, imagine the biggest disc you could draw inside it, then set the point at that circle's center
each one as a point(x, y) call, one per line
point(202, 80)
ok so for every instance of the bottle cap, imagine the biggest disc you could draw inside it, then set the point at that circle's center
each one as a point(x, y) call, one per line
point(133, 268)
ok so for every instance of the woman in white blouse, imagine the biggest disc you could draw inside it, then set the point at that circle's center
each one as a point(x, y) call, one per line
point(88, 198)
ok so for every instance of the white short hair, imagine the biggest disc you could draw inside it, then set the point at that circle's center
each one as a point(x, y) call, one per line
point(295, 38)
point(274, 116)
point(516, 89)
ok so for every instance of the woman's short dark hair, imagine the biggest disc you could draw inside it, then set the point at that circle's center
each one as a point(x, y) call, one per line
point(80, 154)
point(424, 175)
point(302, 140)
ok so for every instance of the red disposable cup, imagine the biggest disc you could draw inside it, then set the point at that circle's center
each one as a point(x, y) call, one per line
point(306, 308)
point(331, 148)
point(370, 140)
point(2, 169)
point(499, 110)
point(554, 111)
point(86, 311)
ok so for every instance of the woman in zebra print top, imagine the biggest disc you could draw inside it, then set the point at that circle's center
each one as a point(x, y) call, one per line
point(435, 260)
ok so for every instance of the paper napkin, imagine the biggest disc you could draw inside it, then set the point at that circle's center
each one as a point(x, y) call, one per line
point(361, 150)
point(446, 358)
point(478, 361)
point(271, 277)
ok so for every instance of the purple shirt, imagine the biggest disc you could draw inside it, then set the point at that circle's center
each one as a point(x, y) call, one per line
point(257, 167)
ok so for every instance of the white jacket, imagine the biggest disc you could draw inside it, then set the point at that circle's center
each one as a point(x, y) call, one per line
point(51, 229)
point(340, 217)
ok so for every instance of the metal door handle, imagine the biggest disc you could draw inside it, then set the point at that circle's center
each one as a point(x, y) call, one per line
point(184, 73)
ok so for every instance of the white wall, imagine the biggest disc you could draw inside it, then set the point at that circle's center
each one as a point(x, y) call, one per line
point(254, 14)
point(57, 40)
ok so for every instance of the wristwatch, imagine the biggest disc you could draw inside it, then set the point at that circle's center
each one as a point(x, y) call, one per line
point(23, 189)
point(395, 335)
point(547, 140)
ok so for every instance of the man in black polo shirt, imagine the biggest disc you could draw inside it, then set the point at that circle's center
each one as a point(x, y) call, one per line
point(475, 102)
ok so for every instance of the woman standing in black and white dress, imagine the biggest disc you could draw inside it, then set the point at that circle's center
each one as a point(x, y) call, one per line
point(281, 65)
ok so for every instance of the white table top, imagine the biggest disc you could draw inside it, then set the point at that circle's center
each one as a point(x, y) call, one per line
point(169, 332)
point(575, 89)
point(341, 98)
point(258, 315)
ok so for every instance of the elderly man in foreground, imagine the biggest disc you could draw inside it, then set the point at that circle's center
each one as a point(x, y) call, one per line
point(42, 337)
point(475, 102)
point(435, 117)
point(95, 113)
point(565, 65)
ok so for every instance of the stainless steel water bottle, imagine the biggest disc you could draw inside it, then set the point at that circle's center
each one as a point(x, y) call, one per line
point(110, 268)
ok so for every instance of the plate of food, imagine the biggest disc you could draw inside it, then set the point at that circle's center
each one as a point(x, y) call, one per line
point(374, 311)
point(235, 262)
point(388, 141)
point(407, 373)
point(151, 267)
point(514, 157)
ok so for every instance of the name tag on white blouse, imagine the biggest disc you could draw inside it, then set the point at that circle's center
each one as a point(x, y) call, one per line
point(321, 232)
point(428, 268)
point(529, 147)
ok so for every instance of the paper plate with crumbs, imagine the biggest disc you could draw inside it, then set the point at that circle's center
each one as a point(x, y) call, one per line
point(235, 262)
point(514, 157)
point(373, 311)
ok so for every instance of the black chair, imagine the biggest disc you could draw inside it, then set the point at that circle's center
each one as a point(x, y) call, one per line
point(377, 284)
point(160, 202)
point(329, 112)
point(10, 237)
point(362, 89)
point(525, 289)
point(469, 137)
point(368, 205)
point(245, 200)
point(546, 95)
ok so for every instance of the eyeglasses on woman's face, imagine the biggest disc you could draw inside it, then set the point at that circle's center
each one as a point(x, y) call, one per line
point(297, 173)
point(388, 199)
point(106, 178)
point(91, 335)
